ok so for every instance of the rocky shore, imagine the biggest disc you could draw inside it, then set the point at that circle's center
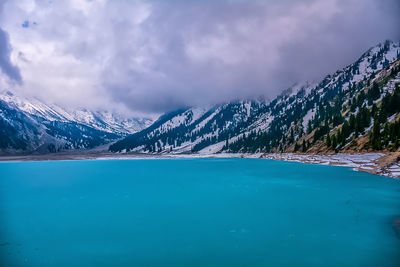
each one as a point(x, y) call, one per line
point(385, 164)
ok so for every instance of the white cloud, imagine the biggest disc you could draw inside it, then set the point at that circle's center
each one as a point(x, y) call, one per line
point(152, 56)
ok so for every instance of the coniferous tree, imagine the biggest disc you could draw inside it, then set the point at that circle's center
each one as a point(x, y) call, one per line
point(328, 140)
point(360, 124)
point(334, 142)
point(382, 116)
point(375, 136)
point(301, 133)
point(373, 92)
point(365, 116)
point(345, 130)
point(353, 105)
point(296, 147)
point(393, 105)
point(291, 138)
point(352, 122)
point(386, 135)
point(309, 127)
point(338, 137)
point(356, 129)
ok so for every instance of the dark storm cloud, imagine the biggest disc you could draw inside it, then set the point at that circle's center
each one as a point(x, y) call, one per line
point(154, 56)
point(209, 52)
point(5, 64)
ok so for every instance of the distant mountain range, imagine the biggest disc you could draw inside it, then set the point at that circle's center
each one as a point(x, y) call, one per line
point(30, 125)
point(354, 109)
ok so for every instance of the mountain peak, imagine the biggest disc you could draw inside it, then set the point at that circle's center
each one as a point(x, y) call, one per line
point(250, 126)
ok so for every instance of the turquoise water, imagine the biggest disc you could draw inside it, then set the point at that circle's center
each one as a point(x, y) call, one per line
point(195, 212)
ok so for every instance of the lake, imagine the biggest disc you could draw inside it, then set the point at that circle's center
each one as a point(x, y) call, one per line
point(195, 212)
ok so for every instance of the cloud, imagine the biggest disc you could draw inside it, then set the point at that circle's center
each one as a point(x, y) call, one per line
point(5, 50)
point(154, 56)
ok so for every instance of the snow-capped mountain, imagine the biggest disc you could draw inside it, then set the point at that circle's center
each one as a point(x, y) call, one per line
point(193, 129)
point(302, 115)
point(354, 108)
point(28, 124)
point(100, 120)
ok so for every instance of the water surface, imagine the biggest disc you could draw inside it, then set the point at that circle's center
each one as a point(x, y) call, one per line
point(195, 212)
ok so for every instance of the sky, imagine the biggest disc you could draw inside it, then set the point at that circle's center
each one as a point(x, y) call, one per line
point(150, 57)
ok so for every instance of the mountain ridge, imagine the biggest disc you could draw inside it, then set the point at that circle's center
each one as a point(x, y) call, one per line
point(28, 125)
point(352, 108)
point(271, 126)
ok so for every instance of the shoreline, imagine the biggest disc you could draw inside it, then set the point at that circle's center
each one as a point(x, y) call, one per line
point(383, 164)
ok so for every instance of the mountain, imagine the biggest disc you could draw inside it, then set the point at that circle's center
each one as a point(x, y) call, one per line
point(30, 125)
point(192, 130)
point(354, 108)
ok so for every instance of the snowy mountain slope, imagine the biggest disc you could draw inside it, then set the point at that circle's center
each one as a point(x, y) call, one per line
point(305, 118)
point(251, 126)
point(100, 120)
point(22, 132)
point(355, 107)
point(192, 129)
point(29, 125)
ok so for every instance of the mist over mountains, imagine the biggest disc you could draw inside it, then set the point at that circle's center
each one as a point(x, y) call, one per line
point(344, 106)
point(347, 107)
point(28, 125)
point(150, 57)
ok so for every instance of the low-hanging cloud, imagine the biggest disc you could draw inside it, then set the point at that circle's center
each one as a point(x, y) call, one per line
point(154, 56)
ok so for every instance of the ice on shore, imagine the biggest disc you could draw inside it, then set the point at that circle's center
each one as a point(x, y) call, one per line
point(362, 162)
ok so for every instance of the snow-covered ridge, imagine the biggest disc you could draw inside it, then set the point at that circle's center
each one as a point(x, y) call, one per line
point(100, 120)
point(195, 128)
point(246, 126)
point(186, 118)
point(251, 126)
